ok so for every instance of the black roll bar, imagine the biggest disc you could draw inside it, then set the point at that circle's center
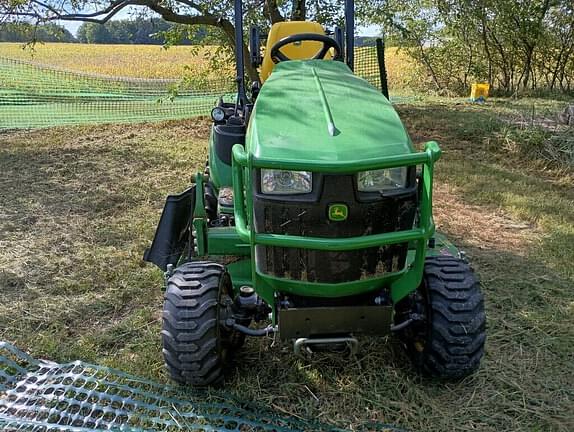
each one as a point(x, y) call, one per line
point(240, 78)
point(239, 60)
point(350, 33)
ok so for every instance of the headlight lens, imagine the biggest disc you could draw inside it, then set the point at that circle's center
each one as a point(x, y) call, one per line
point(382, 180)
point(280, 182)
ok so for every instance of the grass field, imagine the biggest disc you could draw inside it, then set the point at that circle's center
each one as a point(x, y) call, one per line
point(79, 205)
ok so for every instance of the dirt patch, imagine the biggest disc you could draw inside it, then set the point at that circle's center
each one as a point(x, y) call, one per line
point(479, 227)
point(11, 282)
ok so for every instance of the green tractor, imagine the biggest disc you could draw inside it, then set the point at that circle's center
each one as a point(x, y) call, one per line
point(312, 222)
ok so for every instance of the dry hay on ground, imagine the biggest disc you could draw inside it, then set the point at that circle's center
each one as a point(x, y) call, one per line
point(79, 205)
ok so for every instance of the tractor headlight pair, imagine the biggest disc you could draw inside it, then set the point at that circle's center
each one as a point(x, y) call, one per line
point(382, 180)
point(281, 182)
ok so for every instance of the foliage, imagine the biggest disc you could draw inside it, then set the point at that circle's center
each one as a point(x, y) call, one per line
point(516, 46)
point(136, 31)
point(24, 32)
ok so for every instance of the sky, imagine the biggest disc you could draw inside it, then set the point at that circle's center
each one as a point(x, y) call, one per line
point(73, 26)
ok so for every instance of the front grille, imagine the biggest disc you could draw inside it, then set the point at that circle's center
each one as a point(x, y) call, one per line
point(330, 267)
point(373, 215)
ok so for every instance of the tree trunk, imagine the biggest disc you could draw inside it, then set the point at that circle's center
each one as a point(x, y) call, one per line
point(299, 10)
point(556, 69)
point(525, 77)
point(506, 71)
point(487, 49)
point(271, 11)
point(427, 63)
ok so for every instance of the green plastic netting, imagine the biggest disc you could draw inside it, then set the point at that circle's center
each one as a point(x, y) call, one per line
point(41, 396)
point(367, 65)
point(37, 96)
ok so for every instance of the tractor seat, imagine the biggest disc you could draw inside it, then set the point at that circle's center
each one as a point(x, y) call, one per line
point(302, 50)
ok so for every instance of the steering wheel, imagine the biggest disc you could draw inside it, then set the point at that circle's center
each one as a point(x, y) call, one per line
point(328, 43)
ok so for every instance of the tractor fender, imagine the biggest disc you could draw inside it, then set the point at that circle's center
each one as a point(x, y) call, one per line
point(173, 230)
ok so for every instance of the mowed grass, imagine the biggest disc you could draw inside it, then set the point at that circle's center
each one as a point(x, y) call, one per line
point(79, 205)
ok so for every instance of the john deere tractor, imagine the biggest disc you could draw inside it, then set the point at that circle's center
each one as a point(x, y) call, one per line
point(312, 222)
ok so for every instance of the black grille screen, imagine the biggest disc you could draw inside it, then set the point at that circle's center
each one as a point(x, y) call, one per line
point(330, 267)
point(309, 217)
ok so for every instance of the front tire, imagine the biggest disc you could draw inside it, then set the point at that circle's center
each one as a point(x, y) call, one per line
point(194, 341)
point(449, 342)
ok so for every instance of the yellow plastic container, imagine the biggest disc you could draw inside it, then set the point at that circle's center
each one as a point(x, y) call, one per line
point(479, 91)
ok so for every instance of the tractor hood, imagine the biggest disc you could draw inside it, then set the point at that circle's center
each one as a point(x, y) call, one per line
point(317, 111)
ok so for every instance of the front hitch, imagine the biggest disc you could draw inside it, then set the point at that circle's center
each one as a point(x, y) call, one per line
point(304, 346)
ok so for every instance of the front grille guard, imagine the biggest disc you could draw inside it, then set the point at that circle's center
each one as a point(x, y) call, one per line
point(243, 164)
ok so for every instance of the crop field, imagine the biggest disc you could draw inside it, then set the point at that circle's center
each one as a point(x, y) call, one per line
point(78, 205)
point(134, 61)
point(48, 86)
point(152, 61)
point(32, 95)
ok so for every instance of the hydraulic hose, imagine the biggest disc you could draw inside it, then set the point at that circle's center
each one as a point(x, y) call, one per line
point(402, 325)
point(255, 332)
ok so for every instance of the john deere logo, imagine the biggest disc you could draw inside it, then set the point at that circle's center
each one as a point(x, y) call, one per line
point(338, 212)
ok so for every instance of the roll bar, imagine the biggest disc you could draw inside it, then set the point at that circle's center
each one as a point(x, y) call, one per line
point(239, 59)
point(240, 75)
point(350, 33)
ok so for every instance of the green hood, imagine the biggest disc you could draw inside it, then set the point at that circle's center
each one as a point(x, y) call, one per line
point(318, 111)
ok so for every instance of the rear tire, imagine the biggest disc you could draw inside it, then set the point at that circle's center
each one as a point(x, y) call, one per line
point(194, 341)
point(449, 343)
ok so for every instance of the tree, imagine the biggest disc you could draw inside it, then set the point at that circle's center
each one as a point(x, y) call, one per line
point(97, 33)
point(211, 13)
point(515, 45)
point(140, 30)
point(24, 32)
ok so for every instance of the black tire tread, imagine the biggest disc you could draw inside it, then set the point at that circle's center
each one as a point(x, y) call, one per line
point(457, 328)
point(191, 347)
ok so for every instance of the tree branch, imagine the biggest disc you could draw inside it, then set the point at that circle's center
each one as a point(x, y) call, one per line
point(43, 11)
point(271, 11)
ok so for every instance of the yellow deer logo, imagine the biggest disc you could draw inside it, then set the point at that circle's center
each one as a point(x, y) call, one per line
point(338, 212)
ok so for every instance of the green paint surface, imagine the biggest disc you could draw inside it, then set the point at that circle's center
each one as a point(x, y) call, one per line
point(318, 111)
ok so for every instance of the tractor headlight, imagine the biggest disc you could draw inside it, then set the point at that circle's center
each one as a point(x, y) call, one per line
point(382, 180)
point(280, 182)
